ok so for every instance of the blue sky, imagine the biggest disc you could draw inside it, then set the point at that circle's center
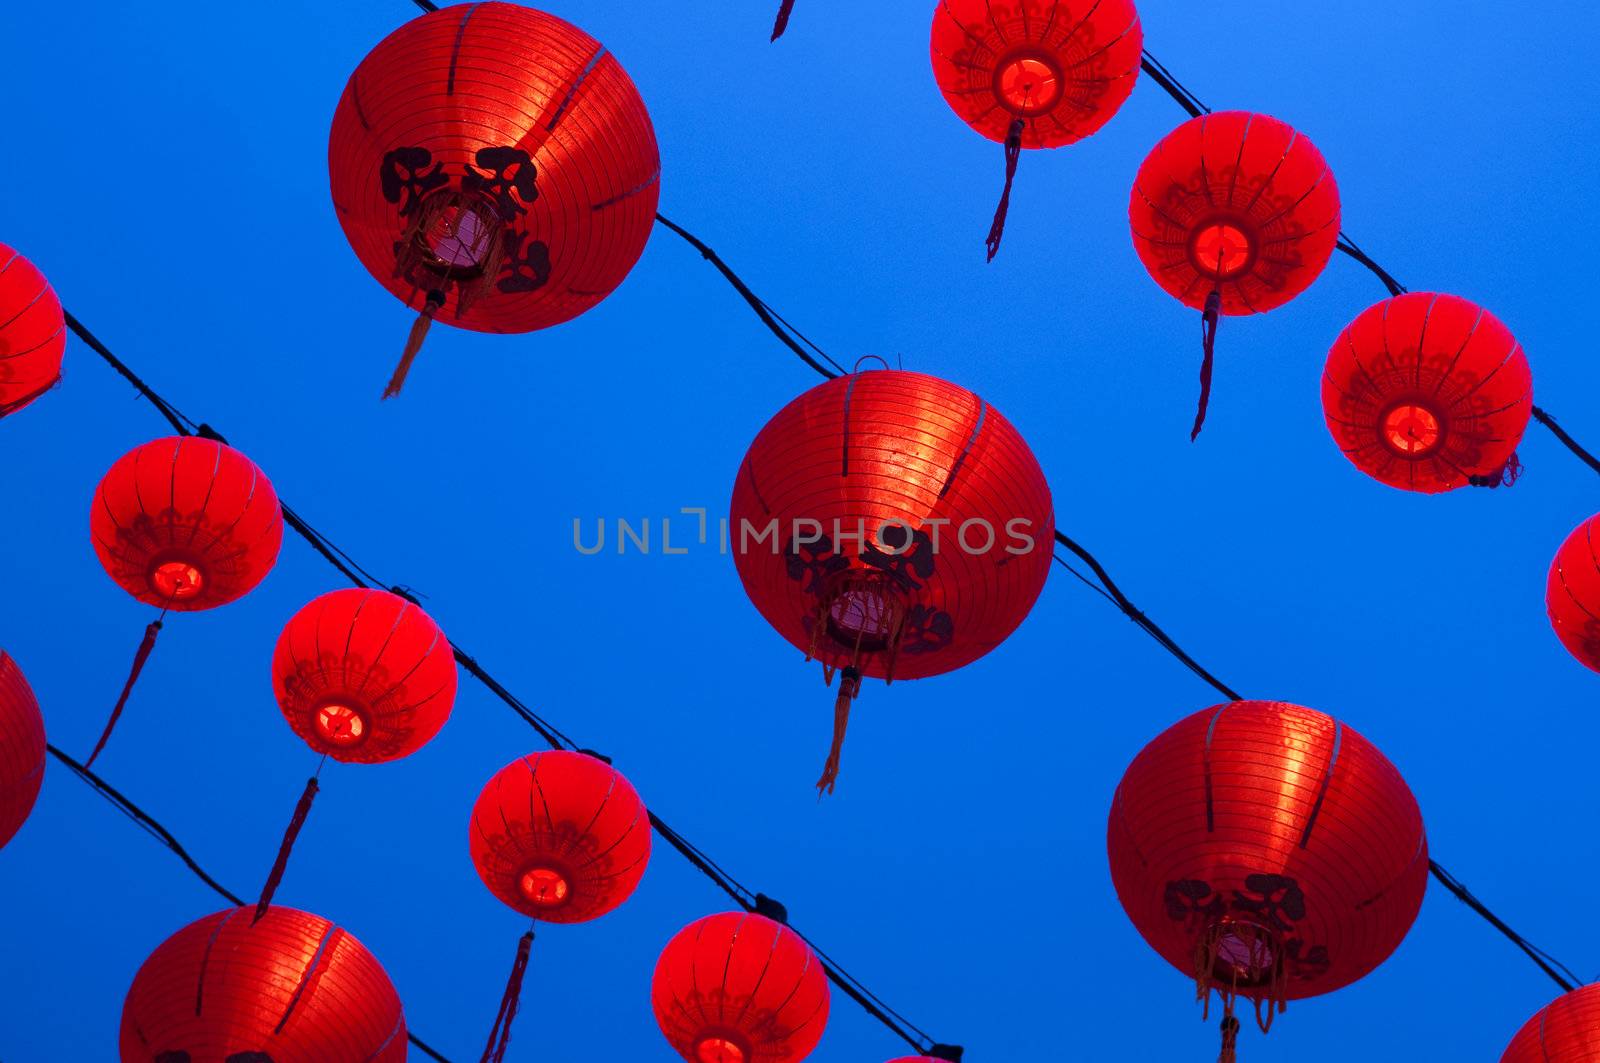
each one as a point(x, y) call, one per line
point(167, 171)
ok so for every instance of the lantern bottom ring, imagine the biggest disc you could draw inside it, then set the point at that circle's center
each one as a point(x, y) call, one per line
point(721, 1046)
point(1028, 81)
point(341, 724)
point(175, 577)
point(1412, 427)
point(545, 885)
point(1223, 246)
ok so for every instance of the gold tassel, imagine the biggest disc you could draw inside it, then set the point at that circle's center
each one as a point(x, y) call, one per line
point(849, 687)
point(419, 332)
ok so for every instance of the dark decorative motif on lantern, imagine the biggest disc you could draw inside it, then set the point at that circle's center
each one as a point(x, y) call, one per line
point(1269, 851)
point(290, 987)
point(916, 529)
point(1034, 73)
point(740, 988)
point(1428, 393)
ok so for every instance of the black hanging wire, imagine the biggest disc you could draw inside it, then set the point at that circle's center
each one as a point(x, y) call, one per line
point(120, 801)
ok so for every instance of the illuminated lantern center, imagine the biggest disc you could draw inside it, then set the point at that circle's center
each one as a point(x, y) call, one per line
point(176, 581)
point(719, 1050)
point(544, 886)
point(340, 725)
point(1029, 83)
point(1412, 430)
point(1221, 249)
point(459, 234)
point(1244, 956)
point(863, 612)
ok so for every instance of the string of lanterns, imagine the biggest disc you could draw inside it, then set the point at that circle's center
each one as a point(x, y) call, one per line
point(1265, 848)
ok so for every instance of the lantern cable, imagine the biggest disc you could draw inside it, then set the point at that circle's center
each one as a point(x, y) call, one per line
point(553, 736)
point(123, 804)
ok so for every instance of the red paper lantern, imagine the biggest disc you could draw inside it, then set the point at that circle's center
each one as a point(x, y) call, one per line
point(1269, 851)
point(290, 987)
point(22, 748)
point(1566, 1030)
point(1035, 73)
point(185, 523)
point(1572, 594)
point(364, 676)
point(1428, 393)
point(561, 837)
point(892, 525)
point(740, 988)
point(494, 167)
point(33, 333)
point(1233, 213)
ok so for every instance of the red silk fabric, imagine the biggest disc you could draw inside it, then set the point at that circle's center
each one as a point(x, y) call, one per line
point(185, 523)
point(533, 128)
point(1278, 817)
point(1423, 391)
point(1236, 202)
point(293, 988)
point(740, 988)
point(1063, 67)
point(364, 675)
point(33, 333)
point(1572, 594)
point(1566, 1030)
point(561, 837)
point(910, 456)
point(22, 749)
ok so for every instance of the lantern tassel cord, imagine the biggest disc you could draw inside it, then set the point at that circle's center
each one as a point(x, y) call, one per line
point(302, 809)
point(122, 803)
point(1230, 1040)
point(849, 687)
point(784, 10)
point(140, 656)
point(997, 228)
point(419, 334)
point(1208, 346)
point(500, 1033)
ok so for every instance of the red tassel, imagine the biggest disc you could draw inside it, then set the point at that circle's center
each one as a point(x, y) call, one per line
point(500, 1034)
point(849, 687)
point(419, 332)
point(1208, 341)
point(783, 19)
point(141, 656)
point(1013, 153)
point(296, 821)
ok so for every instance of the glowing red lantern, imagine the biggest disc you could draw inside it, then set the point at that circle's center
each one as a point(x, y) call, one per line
point(1572, 594)
point(494, 167)
point(1269, 851)
point(364, 676)
point(890, 525)
point(1566, 1030)
point(1034, 73)
point(183, 524)
point(740, 988)
point(560, 837)
point(33, 333)
point(1233, 213)
point(22, 748)
point(290, 987)
point(1428, 393)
